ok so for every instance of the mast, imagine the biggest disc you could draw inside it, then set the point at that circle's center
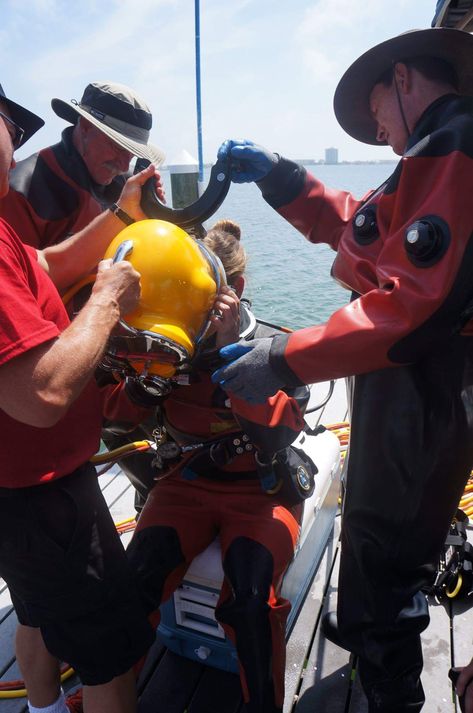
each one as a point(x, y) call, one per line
point(197, 90)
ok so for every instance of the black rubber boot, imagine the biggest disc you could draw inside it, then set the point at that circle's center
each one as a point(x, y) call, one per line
point(405, 695)
point(329, 628)
point(248, 566)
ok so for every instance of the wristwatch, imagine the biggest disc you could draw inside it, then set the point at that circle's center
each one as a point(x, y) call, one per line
point(121, 215)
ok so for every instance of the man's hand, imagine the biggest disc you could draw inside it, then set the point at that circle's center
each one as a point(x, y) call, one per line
point(249, 374)
point(130, 197)
point(250, 162)
point(120, 282)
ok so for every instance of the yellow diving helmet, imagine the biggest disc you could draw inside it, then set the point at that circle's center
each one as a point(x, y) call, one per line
point(180, 278)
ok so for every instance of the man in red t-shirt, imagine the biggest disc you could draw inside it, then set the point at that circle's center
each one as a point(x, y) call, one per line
point(59, 551)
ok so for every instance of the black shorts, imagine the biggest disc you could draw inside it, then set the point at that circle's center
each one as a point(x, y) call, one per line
point(67, 573)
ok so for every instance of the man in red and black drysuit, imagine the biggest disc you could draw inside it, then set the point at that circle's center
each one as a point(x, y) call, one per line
point(56, 192)
point(406, 253)
point(216, 492)
point(59, 551)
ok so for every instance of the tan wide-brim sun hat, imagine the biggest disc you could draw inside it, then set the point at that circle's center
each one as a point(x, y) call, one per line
point(119, 113)
point(351, 99)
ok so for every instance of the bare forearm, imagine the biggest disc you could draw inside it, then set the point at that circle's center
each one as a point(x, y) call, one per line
point(68, 365)
point(58, 370)
point(77, 256)
point(69, 261)
point(39, 386)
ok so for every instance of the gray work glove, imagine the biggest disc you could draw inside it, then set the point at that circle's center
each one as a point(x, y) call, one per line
point(249, 374)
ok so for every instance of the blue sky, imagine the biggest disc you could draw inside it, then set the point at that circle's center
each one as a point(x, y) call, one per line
point(269, 68)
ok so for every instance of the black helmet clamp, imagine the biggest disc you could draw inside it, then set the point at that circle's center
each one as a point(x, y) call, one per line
point(195, 214)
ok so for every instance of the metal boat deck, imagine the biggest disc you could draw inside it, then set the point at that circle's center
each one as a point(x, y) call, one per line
point(320, 677)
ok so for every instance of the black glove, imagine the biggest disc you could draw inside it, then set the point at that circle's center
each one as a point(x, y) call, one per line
point(251, 162)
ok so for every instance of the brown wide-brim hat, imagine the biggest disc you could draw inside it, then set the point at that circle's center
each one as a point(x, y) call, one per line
point(119, 113)
point(352, 95)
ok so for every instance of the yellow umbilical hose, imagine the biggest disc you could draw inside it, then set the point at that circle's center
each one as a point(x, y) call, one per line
point(466, 500)
point(342, 431)
point(121, 452)
point(16, 689)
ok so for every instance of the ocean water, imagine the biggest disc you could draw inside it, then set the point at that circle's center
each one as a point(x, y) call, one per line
point(288, 279)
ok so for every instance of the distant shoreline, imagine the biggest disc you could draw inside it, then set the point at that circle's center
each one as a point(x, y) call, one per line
point(316, 162)
point(321, 162)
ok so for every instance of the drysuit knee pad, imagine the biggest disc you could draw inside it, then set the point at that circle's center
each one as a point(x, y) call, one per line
point(153, 554)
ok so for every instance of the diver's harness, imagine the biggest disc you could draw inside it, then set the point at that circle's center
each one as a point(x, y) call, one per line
point(454, 576)
point(289, 472)
point(201, 458)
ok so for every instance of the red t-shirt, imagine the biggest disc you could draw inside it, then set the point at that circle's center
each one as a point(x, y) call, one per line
point(32, 313)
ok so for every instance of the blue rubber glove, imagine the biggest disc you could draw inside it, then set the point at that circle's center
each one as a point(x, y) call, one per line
point(249, 374)
point(250, 162)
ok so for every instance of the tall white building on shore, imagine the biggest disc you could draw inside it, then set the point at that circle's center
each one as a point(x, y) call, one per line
point(331, 155)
